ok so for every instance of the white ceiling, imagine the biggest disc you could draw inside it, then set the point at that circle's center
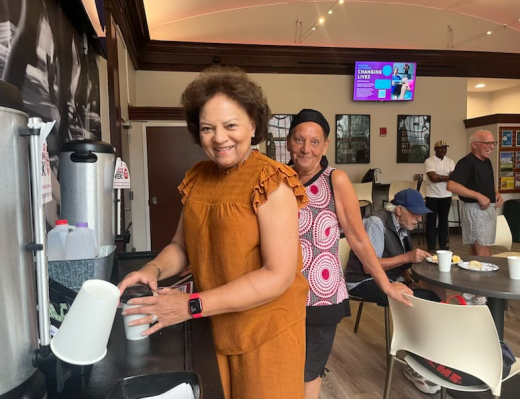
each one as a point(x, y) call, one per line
point(356, 23)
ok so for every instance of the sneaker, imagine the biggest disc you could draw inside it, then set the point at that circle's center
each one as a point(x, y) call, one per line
point(474, 300)
point(421, 383)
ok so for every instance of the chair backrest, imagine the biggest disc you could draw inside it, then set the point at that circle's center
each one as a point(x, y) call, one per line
point(422, 189)
point(461, 337)
point(344, 251)
point(397, 186)
point(503, 237)
point(363, 191)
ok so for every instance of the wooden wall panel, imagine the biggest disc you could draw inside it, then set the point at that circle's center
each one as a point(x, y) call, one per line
point(155, 114)
point(491, 119)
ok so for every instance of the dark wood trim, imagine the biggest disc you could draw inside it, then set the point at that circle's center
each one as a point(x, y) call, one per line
point(491, 120)
point(155, 114)
point(194, 57)
point(130, 16)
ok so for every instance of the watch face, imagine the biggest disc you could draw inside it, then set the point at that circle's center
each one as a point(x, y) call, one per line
point(195, 306)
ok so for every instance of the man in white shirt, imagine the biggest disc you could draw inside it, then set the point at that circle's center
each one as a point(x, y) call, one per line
point(438, 169)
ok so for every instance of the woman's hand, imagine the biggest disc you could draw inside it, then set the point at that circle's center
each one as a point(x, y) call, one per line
point(170, 307)
point(146, 275)
point(396, 291)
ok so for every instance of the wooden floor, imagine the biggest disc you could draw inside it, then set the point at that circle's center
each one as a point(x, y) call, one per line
point(358, 364)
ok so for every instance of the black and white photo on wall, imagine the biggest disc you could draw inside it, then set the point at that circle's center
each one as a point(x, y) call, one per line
point(413, 138)
point(276, 143)
point(43, 55)
point(352, 138)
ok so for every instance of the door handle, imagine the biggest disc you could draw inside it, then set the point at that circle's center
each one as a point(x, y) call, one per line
point(154, 201)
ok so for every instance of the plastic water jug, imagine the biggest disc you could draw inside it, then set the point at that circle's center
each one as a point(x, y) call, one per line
point(56, 239)
point(81, 243)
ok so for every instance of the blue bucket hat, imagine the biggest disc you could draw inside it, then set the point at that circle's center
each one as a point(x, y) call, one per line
point(411, 200)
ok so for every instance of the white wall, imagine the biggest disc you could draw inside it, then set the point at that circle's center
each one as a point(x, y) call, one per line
point(479, 104)
point(506, 101)
point(330, 94)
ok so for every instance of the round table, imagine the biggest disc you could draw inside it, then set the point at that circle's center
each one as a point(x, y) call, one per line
point(496, 286)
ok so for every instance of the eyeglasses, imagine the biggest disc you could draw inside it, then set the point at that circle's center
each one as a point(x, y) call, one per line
point(487, 143)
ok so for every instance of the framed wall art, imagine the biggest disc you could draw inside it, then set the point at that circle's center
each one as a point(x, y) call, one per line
point(352, 138)
point(276, 143)
point(413, 138)
point(508, 174)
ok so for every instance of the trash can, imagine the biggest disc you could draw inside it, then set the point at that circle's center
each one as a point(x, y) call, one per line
point(512, 215)
point(86, 176)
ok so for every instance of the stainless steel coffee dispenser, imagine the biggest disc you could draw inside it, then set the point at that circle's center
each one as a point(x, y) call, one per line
point(18, 330)
point(86, 175)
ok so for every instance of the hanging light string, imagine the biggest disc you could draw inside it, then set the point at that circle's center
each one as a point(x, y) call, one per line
point(487, 33)
point(320, 21)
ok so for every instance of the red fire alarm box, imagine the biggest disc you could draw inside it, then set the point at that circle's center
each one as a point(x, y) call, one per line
point(382, 131)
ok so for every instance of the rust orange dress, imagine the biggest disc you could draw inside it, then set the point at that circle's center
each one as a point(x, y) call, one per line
point(261, 351)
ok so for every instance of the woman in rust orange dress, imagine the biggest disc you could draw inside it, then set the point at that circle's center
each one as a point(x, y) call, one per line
point(239, 233)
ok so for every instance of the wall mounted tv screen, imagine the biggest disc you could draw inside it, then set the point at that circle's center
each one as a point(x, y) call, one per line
point(384, 81)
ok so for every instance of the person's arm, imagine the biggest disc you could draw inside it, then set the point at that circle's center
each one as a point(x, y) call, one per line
point(499, 200)
point(435, 178)
point(278, 226)
point(349, 216)
point(460, 190)
point(170, 261)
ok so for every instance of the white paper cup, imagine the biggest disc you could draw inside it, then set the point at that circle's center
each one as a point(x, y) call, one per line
point(513, 263)
point(83, 336)
point(444, 258)
point(134, 332)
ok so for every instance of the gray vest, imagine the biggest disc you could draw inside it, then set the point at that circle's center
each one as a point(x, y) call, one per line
point(354, 271)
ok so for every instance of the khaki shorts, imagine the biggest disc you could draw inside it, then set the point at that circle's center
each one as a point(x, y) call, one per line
point(478, 225)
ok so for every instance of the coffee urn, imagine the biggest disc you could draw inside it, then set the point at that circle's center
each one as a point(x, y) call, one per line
point(19, 329)
point(86, 175)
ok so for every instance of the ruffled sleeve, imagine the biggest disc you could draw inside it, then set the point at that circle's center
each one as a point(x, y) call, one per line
point(189, 180)
point(271, 176)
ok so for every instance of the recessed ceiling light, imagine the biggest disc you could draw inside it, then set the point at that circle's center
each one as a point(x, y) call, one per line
point(489, 32)
point(321, 20)
point(330, 11)
point(313, 28)
point(480, 85)
point(342, 1)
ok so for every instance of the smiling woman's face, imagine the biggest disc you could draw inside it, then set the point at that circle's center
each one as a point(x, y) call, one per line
point(307, 144)
point(225, 131)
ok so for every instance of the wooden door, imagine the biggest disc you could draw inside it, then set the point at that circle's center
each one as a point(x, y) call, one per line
point(171, 152)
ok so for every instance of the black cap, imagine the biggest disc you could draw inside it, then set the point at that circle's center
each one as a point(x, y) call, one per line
point(136, 291)
point(311, 115)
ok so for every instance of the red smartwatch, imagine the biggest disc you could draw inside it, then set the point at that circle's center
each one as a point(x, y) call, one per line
point(195, 306)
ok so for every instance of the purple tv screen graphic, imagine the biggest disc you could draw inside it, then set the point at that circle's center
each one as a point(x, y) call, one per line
point(384, 81)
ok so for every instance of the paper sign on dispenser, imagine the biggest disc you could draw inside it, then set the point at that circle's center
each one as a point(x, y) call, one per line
point(121, 175)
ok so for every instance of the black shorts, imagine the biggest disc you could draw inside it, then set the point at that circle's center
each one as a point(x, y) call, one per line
point(319, 340)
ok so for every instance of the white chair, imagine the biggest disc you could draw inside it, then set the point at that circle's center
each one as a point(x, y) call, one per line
point(344, 251)
point(503, 237)
point(364, 192)
point(461, 337)
point(397, 186)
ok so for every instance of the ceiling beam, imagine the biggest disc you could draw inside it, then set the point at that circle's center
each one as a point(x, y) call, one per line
point(194, 57)
point(491, 120)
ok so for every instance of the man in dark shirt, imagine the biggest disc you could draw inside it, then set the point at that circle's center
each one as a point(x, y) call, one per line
point(473, 181)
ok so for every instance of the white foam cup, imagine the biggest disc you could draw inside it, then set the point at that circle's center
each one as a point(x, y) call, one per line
point(444, 258)
point(134, 332)
point(83, 336)
point(513, 263)
point(136, 291)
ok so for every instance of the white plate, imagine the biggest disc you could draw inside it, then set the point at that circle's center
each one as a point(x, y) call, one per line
point(486, 267)
point(429, 259)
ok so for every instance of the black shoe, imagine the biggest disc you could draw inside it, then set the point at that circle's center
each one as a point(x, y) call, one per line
point(431, 250)
point(444, 248)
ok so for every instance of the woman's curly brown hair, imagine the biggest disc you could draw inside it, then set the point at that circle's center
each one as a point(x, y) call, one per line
point(234, 83)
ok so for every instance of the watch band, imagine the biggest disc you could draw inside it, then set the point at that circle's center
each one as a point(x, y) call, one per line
point(195, 306)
